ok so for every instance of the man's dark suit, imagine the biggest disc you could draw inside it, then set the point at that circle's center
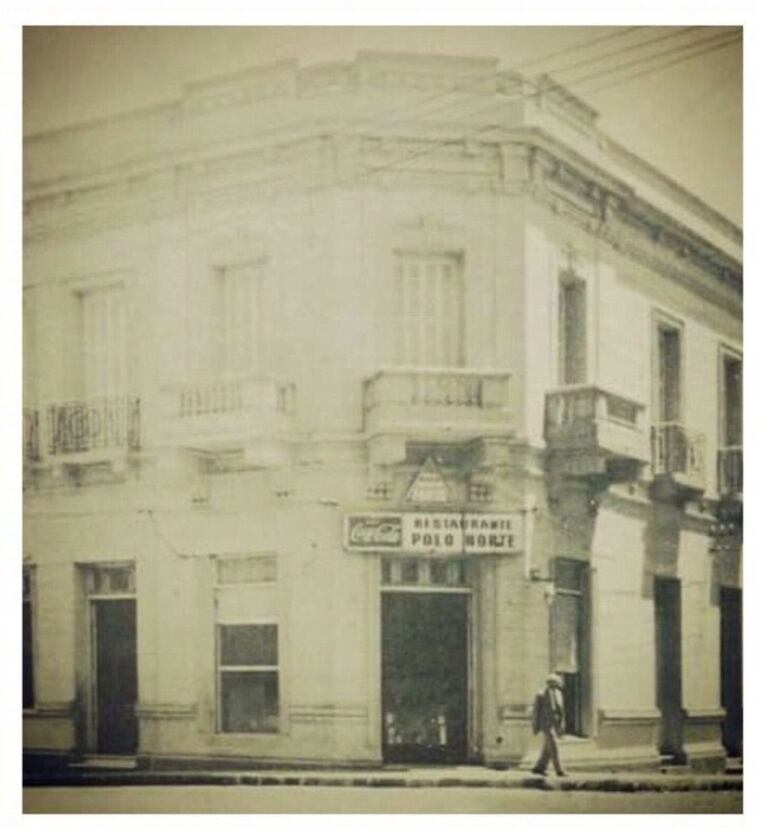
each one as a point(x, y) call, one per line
point(548, 719)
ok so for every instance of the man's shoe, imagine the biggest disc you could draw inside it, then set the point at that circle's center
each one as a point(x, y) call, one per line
point(540, 771)
point(561, 773)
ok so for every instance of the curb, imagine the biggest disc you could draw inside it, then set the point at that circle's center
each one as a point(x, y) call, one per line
point(588, 784)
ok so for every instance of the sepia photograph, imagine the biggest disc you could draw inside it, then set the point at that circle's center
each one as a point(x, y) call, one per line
point(382, 405)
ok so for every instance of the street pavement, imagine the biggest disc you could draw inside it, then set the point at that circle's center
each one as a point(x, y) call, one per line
point(359, 800)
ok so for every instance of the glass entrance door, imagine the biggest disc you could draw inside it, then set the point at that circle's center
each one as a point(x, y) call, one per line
point(425, 677)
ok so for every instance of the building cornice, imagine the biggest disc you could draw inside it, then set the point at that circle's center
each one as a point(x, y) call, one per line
point(571, 178)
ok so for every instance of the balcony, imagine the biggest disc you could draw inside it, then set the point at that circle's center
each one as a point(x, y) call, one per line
point(441, 404)
point(678, 458)
point(30, 436)
point(240, 417)
point(590, 431)
point(82, 432)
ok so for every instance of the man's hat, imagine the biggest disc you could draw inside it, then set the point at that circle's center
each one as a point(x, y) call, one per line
point(555, 679)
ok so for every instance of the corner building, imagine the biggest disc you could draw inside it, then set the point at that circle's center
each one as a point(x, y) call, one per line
point(357, 398)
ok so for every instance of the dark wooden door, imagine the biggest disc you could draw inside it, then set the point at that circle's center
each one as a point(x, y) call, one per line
point(731, 642)
point(668, 653)
point(115, 676)
point(425, 678)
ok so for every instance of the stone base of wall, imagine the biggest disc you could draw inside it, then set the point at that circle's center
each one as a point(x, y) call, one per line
point(703, 739)
point(627, 728)
point(193, 762)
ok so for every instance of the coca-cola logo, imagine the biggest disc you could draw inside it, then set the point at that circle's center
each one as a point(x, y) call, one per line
point(374, 532)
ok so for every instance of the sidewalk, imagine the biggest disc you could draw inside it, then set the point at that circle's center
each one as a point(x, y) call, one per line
point(432, 777)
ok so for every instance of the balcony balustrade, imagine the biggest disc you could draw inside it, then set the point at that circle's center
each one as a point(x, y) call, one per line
point(443, 403)
point(590, 429)
point(91, 425)
point(678, 455)
point(730, 471)
point(227, 415)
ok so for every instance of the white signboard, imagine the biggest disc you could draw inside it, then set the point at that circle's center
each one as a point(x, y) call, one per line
point(439, 533)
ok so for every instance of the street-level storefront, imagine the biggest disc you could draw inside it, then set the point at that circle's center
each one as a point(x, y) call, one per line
point(430, 570)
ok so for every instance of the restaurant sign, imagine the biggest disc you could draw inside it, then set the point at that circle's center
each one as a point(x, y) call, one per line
point(445, 533)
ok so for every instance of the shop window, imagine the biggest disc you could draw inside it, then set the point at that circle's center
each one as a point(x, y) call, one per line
point(569, 635)
point(248, 678)
point(429, 310)
point(28, 639)
point(572, 330)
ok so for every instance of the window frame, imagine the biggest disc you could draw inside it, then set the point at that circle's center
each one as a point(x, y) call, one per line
point(255, 350)
point(256, 583)
point(725, 353)
point(661, 320)
point(401, 257)
point(224, 622)
point(566, 278)
point(117, 287)
point(584, 717)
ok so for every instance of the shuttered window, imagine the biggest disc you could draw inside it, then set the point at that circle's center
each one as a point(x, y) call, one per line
point(429, 310)
point(732, 400)
point(239, 319)
point(103, 340)
point(572, 330)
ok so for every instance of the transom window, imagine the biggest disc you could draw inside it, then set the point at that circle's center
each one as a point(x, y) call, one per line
point(241, 570)
point(429, 310)
point(109, 579)
point(410, 572)
point(248, 678)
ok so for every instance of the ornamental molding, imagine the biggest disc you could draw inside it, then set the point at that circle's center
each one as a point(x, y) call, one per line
point(595, 201)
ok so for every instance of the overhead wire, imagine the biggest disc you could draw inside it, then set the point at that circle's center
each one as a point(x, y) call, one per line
point(725, 39)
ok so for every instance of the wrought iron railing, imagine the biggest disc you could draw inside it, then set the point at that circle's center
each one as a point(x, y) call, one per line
point(730, 470)
point(438, 387)
point(88, 425)
point(31, 431)
point(675, 450)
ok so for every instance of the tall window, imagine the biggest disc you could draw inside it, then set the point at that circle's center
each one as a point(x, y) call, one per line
point(248, 678)
point(103, 341)
point(569, 640)
point(27, 639)
point(429, 310)
point(669, 375)
point(572, 330)
point(732, 402)
point(238, 318)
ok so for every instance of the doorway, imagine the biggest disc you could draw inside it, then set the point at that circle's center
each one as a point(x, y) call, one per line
point(731, 657)
point(425, 677)
point(114, 675)
point(668, 656)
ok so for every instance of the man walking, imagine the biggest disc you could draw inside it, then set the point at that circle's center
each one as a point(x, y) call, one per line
point(548, 719)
